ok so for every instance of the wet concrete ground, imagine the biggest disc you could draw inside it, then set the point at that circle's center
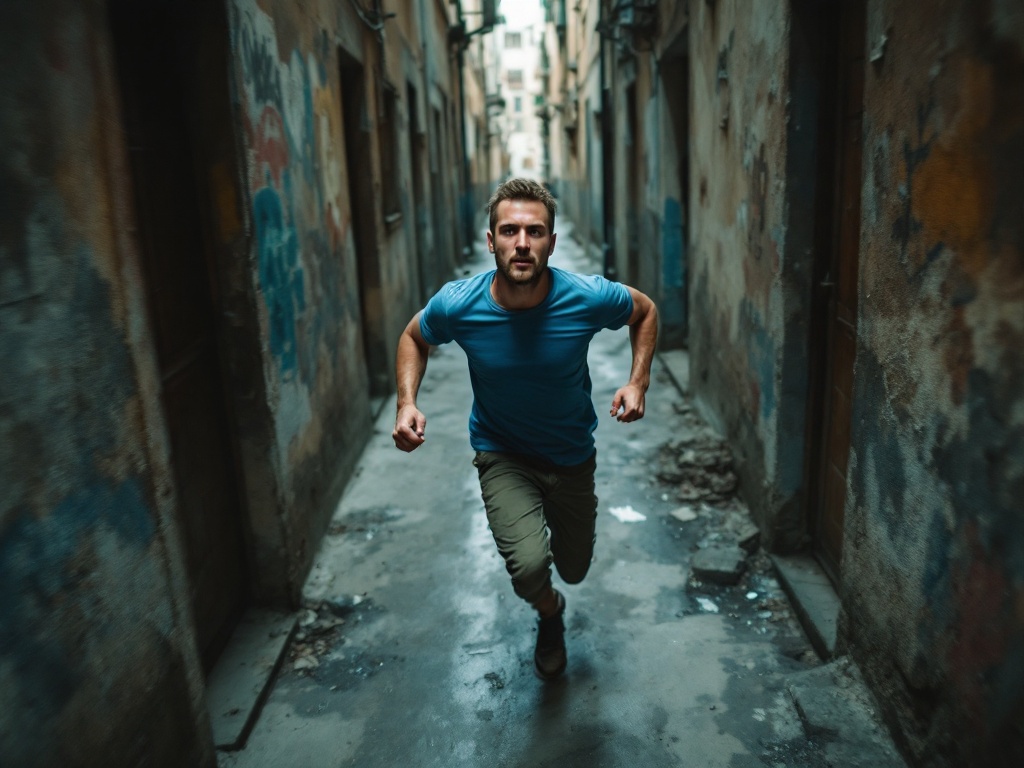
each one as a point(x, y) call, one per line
point(432, 663)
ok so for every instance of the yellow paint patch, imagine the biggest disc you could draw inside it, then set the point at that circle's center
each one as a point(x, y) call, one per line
point(953, 196)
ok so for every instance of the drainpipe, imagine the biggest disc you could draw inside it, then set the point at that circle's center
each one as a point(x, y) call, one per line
point(607, 156)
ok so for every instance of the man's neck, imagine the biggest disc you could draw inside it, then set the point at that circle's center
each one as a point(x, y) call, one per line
point(513, 296)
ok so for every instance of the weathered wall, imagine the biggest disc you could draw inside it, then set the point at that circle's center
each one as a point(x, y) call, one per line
point(747, 338)
point(933, 567)
point(95, 614)
point(296, 199)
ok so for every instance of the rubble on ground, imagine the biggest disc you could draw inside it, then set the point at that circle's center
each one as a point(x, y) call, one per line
point(699, 464)
point(319, 630)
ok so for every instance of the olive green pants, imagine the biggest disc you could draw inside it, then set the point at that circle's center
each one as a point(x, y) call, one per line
point(539, 514)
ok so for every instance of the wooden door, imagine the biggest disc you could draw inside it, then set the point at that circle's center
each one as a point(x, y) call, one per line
point(152, 42)
point(840, 287)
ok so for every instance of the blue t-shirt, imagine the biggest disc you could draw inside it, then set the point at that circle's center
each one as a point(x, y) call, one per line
point(531, 383)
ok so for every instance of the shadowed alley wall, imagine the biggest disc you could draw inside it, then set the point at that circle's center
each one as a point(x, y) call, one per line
point(933, 569)
point(931, 573)
point(92, 592)
point(168, 162)
point(302, 268)
point(749, 255)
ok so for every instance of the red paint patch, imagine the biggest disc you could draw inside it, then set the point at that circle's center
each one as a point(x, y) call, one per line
point(981, 632)
point(271, 144)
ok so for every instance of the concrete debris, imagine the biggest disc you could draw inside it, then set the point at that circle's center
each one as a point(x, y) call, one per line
point(706, 605)
point(305, 662)
point(719, 564)
point(319, 630)
point(684, 514)
point(700, 467)
point(748, 537)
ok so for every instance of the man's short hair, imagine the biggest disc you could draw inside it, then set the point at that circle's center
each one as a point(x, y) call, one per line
point(522, 189)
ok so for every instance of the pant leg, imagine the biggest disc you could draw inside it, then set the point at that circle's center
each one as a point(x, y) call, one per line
point(570, 509)
point(513, 498)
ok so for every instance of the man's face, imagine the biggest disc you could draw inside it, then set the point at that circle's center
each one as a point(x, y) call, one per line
point(521, 241)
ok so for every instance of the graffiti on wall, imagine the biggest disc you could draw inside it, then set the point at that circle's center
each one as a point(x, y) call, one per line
point(295, 180)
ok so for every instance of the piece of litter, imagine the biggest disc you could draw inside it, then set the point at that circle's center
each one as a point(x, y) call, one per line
point(707, 605)
point(627, 514)
point(684, 514)
point(751, 595)
point(480, 653)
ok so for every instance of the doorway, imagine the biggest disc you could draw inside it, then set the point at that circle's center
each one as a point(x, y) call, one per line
point(634, 203)
point(837, 240)
point(417, 151)
point(361, 195)
point(155, 58)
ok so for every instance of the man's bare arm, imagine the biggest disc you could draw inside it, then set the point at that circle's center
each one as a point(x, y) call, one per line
point(410, 365)
point(643, 337)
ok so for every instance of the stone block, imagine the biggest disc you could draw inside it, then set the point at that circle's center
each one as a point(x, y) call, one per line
point(719, 564)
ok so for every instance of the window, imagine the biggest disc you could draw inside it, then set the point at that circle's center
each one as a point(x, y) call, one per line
point(513, 40)
point(515, 78)
point(517, 104)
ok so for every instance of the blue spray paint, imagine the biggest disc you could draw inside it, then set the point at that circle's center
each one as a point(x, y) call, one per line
point(280, 276)
point(760, 357)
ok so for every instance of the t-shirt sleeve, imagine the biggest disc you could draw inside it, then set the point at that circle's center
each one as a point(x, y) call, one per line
point(614, 304)
point(434, 320)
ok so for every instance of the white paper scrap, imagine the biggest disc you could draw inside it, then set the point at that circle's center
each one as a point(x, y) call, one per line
point(627, 514)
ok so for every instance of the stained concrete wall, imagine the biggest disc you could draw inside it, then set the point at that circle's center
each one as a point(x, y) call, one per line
point(933, 565)
point(98, 660)
point(649, 82)
point(94, 606)
point(751, 190)
point(297, 214)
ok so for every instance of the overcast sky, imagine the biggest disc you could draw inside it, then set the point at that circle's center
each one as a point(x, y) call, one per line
point(520, 13)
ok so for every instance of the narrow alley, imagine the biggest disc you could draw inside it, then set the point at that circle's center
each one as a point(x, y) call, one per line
point(219, 217)
point(433, 663)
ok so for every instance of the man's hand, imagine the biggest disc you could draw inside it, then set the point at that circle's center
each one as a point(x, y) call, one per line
point(630, 400)
point(410, 426)
point(643, 335)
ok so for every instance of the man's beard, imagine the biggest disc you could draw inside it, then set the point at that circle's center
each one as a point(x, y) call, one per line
point(515, 278)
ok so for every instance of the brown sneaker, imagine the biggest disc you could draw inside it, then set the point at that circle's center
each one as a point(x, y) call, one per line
point(549, 658)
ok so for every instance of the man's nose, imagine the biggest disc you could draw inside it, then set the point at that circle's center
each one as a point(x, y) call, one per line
point(522, 240)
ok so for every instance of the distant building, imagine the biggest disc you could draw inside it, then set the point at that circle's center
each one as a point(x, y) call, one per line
point(520, 56)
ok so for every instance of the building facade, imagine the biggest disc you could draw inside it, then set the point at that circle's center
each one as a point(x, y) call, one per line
point(219, 218)
point(824, 199)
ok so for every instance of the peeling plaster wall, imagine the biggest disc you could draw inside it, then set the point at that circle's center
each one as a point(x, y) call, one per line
point(933, 567)
point(746, 335)
point(288, 108)
point(94, 608)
